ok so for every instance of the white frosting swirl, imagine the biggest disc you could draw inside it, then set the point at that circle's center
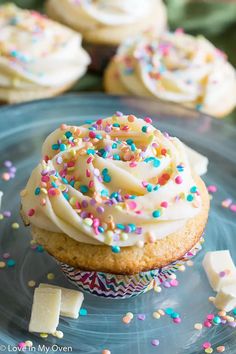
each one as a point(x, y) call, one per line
point(180, 68)
point(94, 16)
point(119, 181)
point(37, 52)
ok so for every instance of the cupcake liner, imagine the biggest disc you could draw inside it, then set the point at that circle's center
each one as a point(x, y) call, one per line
point(124, 286)
point(100, 55)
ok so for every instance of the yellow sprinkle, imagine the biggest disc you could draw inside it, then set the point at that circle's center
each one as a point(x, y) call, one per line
point(211, 298)
point(70, 169)
point(1, 217)
point(58, 334)
point(198, 326)
point(28, 343)
point(77, 184)
point(72, 200)
point(23, 192)
point(208, 350)
point(161, 312)
point(33, 242)
point(88, 221)
point(44, 190)
point(157, 289)
point(124, 236)
point(108, 237)
point(156, 315)
point(190, 263)
point(31, 283)
point(2, 264)
point(50, 276)
point(230, 319)
point(119, 207)
point(43, 335)
point(181, 268)
point(130, 315)
point(15, 225)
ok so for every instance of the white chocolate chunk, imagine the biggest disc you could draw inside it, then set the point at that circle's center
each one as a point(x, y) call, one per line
point(71, 300)
point(219, 268)
point(45, 310)
point(197, 161)
point(226, 298)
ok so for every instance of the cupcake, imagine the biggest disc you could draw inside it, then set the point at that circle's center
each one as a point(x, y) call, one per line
point(116, 203)
point(39, 58)
point(104, 24)
point(176, 67)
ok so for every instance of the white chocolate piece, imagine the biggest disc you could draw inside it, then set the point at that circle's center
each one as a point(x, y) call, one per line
point(45, 310)
point(71, 300)
point(226, 298)
point(219, 268)
point(197, 161)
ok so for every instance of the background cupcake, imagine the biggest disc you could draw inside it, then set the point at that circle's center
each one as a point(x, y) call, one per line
point(116, 202)
point(176, 67)
point(39, 58)
point(104, 24)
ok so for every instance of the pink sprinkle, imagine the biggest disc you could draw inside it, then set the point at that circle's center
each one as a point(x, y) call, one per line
point(125, 128)
point(222, 274)
point(210, 316)
point(166, 284)
point(148, 120)
point(45, 178)
point(144, 184)
point(91, 184)
point(70, 164)
point(206, 345)
point(96, 231)
point(92, 135)
point(31, 212)
point(155, 342)
point(6, 255)
point(178, 180)
point(88, 173)
point(21, 345)
point(141, 317)
point(179, 30)
point(96, 222)
point(207, 324)
point(174, 282)
point(133, 164)
point(132, 204)
point(177, 320)
point(52, 192)
point(212, 189)
point(90, 159)
point(164, 204)
point(233, 208)
point(99, 121)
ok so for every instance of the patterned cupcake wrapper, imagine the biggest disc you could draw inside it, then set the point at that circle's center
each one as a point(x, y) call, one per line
point(124, 286)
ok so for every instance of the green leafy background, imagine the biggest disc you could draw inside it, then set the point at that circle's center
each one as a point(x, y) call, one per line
point(213, 18)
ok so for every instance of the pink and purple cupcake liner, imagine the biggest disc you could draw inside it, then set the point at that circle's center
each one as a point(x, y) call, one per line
point(124, 286)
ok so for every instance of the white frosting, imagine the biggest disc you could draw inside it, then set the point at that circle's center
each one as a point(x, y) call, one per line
point(152, 160)
point(180, 68)
point(37, 52)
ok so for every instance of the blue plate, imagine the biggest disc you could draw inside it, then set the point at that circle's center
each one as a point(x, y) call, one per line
point(23, 129)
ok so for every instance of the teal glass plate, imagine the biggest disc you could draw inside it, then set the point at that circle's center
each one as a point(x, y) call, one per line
point(23, 130)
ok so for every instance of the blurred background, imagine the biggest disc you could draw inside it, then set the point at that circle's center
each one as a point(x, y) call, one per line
point(215, 19)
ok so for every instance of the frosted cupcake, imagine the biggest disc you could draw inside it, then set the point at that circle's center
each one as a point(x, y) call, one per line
point(175, 67)
point(116, 203)
point(39, 58)
point(104, 24)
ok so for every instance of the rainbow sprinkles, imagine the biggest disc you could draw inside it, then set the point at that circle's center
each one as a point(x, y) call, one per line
point(117, 181)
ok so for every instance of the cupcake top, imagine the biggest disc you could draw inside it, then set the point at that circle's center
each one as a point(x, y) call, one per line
point(36, 51)
point(95, 17)
point(117, 181)
point(176, 67)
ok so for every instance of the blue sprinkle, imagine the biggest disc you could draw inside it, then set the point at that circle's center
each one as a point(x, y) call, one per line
point(55, 147)
point(117, 125)
point(84, 189)
point(11, 263)
point(39, 249)
point(144, 129)
point(37, 191)
point(156, 163)
point(174, 315)
point(68, 134)
point(156, 213)
point(116, 157)
point(105, 171)
point(156, 187)
point(105, 154)
point(114, 195)
point(193, 189)
point(54, 185)
point(64, 180)
point(114, 146)
point(120, 226)
point(62, 147)
point(169, 311)
point(83, 312)
point(104, 193)
point(190, 198)
point(88, 122)
point(90, 152)
point(115, 249)
point(133, 227)
point(72, 183)
point(66, 196)
point(129, 141)
point(180, 168)
point(99, 136)
point(133, 147)
point(106, 178)
point(132, 197)
point(149, 187)
point(100, 229)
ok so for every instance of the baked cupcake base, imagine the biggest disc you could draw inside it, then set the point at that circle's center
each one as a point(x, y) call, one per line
point(117, 286)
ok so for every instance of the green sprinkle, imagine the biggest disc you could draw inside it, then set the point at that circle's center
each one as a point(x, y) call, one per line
point(129, 141)
point(156, 213)
point(120, 226)
point(189, 198)
point(169, 311)
point(156, 187)
point(133, 147)
point(37, 191)
point(11, 263)
point(156, 163)
point(104, 193)
point(90, 152)
point(216, 320)
point(114, 146)
point(84, 189)
point(39, 249)
point(149, 188)
point(99, 136)
point(116, 157)
point(83, 312)
point(64, 180)
point(144, 129)
point(116, 125)
point(174, 315)
point(105, 171)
